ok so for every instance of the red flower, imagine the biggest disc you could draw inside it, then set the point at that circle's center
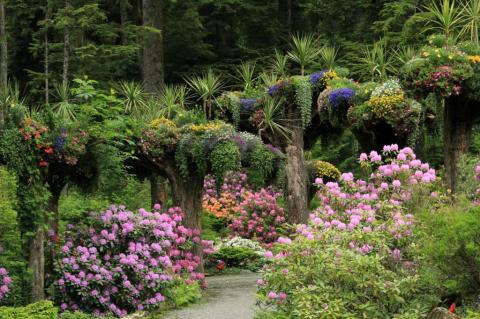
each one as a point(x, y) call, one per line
point(48, 150)
point(42, 163)
point(452, 308)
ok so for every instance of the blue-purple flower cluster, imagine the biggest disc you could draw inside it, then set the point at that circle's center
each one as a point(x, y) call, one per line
point(247, 105)
point(340, 96)
point(276, 88)
point(317, 76)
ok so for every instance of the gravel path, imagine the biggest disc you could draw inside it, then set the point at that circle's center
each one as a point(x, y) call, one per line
point(227, 297)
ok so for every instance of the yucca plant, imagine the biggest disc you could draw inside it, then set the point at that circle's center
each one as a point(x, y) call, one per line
point(133, 96)
point(445, 18)
point(246, 75)
point(63, 107)
point(172, 99)
point(206, 87)
point(470, 13)
point(404, 54)
point(279, 64)
point(10, 97)
point(375, 63)
point(273, 119)
point(304, 50)
point(267, 79)
point(328, 56)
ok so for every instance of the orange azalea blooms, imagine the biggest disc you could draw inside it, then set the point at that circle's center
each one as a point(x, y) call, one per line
point(223, 207)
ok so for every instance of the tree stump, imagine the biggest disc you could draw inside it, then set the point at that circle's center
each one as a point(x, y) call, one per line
point(442, 313)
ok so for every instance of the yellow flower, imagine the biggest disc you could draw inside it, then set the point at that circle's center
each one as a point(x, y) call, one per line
point(211, 126)
point(438, 56)
point(450, 57)
point(325, 169)
point(382, 106)
point(162, 122)
point(474, 58)
point(425, 54)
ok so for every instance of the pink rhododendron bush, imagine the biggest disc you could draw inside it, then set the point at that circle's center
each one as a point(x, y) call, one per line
point(5, 283)
point(357, 257)
point(259, 217)
point(124, 261)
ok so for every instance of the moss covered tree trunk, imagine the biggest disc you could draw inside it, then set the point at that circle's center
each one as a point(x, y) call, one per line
point(296, 177)
point(36, 263)
point(187, 194)
point(158, 190)
point(153, 69)
point(458, 122)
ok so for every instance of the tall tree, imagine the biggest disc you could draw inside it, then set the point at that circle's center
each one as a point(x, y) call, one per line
point(4, 48)
point(66, 49)
point(152, 63)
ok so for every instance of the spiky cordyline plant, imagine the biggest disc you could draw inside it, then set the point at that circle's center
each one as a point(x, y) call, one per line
point(133, 95)
point(246, 75)
point(273, 119)
point(445, 18)
point(305, 49)
point(471, 19)
point(279, 64)
point(328, 55)
point(268, 79)
point(404, 54)
point(206, 87)
point(63, 108)
point(375, 63)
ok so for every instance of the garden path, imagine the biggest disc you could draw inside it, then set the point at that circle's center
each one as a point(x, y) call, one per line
point(227, 297)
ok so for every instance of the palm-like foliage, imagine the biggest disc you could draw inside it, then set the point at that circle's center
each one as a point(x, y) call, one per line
point(471, 20)
point(304, 50)
point(273, 120)
point(375, 63)
point(404, 54)
point(267, 79)
point(206, 86)
point(279, 64)
point(173, 99)
point(246, 75)
point(10, 97)
point(445, 18)
point(133, 95)
point(64, 108)
point(328, 56)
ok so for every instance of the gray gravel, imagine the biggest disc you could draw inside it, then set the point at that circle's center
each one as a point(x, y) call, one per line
point(227, 297)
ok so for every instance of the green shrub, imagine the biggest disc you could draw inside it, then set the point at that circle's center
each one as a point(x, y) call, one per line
point(451, 244)
point(11, 242)
point(184, 294)
point(324, 278)
point(40, 310)
point(236, 256)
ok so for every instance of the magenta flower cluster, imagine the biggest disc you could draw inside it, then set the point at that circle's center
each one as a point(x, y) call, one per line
point(375, 203)
point(5, 283)
point(124, 261)
point(259, 217)
point(364, 208)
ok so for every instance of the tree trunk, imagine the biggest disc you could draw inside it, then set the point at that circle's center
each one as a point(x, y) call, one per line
point(53, 208)
point(187, 194)
point(158, 190)
point(36, 262)
point(458, 122)
point(123, 17)
point(3, 55)
point(46, 61)
point(153, 69)
point(66, 51)
point(297, 196)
